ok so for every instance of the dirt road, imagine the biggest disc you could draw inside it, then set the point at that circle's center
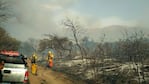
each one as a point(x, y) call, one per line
point(47, 76)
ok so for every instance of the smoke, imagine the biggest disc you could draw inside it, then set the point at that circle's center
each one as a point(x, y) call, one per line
point(33, 18)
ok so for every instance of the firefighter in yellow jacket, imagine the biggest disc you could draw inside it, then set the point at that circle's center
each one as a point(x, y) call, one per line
point(34, 65)
point(50, 59)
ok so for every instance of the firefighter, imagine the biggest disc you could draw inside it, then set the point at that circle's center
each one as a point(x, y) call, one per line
point(34, 64)
point(50, 63)
point(50, 55)
point(34, 58)
point(50, 59)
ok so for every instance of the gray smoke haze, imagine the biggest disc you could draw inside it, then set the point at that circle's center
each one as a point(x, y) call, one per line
point(34, 18)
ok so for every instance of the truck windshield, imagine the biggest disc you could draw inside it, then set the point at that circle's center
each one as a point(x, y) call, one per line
point(12, 59)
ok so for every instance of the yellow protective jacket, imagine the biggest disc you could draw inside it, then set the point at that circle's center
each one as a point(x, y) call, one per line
point(34, 58)
point(50, 55)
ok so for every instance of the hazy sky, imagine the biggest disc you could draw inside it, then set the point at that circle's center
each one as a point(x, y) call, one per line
point(33, 18)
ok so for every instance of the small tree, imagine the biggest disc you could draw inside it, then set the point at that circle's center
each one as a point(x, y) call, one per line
point(68, 23)
point(59, 44)
point(97, 60)
point(7, 42)
point(135, 48)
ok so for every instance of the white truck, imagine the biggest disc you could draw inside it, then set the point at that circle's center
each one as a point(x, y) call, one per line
point(15, 70)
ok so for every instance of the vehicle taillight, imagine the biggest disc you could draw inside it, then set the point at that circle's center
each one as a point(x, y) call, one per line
point(26, 77)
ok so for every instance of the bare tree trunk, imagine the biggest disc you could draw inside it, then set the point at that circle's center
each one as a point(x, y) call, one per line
point(69, 23)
